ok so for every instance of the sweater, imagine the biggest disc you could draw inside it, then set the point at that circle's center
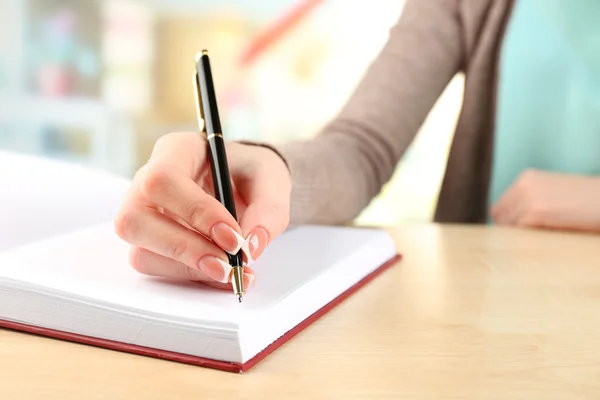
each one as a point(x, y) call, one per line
point(336, 174)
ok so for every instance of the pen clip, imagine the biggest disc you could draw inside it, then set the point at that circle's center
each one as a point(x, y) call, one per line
point(198, 109)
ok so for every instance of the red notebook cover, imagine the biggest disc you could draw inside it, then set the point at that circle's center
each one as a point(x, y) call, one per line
point(194, 360)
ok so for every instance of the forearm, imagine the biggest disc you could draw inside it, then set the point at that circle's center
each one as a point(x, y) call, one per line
point(339, 172)
point(333, 179)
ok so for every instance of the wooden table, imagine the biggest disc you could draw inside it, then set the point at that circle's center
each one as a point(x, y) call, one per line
point(470, 313)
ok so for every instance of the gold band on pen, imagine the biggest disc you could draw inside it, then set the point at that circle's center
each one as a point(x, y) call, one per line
point(212, 135)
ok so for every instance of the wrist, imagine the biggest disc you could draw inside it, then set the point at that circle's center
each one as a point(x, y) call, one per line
point(270, 148)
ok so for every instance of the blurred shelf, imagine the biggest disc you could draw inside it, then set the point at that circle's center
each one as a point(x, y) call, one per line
point(52, 110)
point(109, 137)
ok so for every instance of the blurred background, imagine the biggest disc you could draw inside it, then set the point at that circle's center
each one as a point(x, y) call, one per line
point(96, 82)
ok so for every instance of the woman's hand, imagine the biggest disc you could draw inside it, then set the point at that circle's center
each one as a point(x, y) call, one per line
point(178, 229)
point(540, 199)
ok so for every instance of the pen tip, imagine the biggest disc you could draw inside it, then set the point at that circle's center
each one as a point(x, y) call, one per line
point(239, 297)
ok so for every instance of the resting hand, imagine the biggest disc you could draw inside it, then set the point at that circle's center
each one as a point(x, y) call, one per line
point(540, 199)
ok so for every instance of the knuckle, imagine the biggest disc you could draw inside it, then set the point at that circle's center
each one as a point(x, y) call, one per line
point(196, 214)
point(125, 224)
point(155, 180)
point(177, 249)
point(527, 177)
point(522, 182)
point(165, 139)
point(189, 274)
point(275, 208)
point(176, 136)
point(140, 173)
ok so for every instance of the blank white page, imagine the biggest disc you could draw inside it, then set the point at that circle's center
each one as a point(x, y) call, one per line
point(41, 197)
point(92, 265)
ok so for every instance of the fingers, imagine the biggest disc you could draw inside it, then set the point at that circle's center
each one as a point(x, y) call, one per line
point(263, 221)
point(170, 181)
point(145, 227)
point(266, 188)
point(510, 208)
point(504, 212)
point(149, 263)
point(168, 187)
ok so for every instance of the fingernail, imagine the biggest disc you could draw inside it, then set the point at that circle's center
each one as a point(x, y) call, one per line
point(215, 268)
point(255, 244)
point(227, 238)
point(248, 281)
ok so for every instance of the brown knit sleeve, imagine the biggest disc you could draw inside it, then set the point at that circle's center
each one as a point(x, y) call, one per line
point(336, 174)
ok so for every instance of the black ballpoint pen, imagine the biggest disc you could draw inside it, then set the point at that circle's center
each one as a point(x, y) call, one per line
point(210, 125)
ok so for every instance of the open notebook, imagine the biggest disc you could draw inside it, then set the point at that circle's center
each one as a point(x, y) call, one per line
point(77, 284)
point(80, 283)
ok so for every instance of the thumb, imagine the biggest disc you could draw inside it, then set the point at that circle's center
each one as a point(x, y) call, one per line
point(267, 193)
